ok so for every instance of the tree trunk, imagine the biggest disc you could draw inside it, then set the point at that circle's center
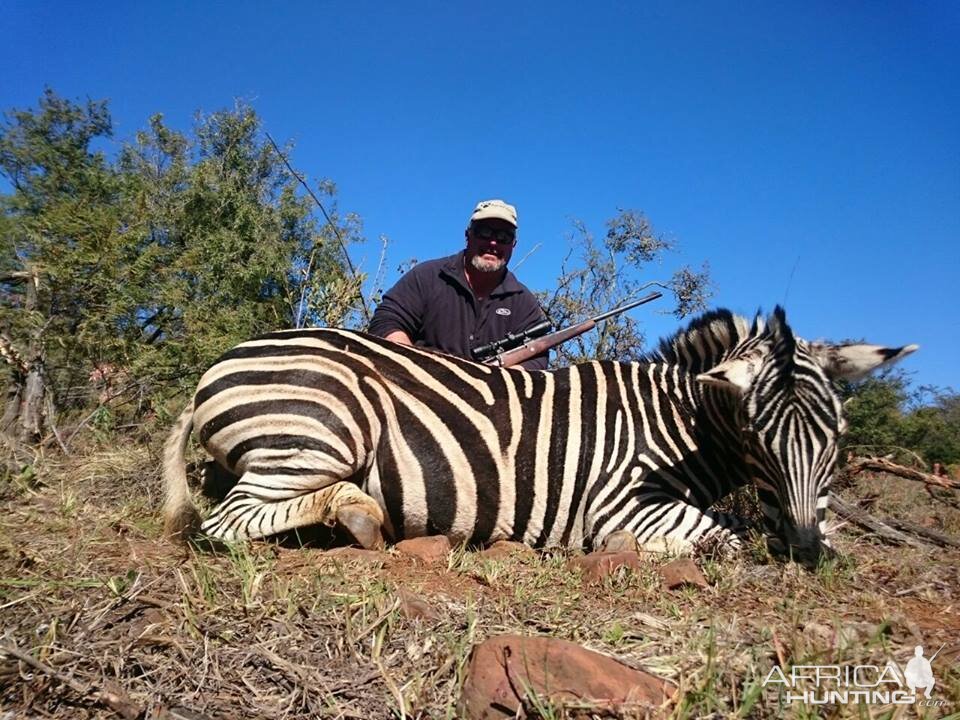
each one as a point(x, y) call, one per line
point(11, 408)
point(32, 417)
point(24, 416)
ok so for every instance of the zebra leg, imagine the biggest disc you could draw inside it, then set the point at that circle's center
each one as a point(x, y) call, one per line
point(678, 528)
point(263, 504)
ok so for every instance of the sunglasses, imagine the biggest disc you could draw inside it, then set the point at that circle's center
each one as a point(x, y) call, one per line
point(504, 237)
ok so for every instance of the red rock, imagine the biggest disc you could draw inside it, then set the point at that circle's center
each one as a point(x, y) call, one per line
point(596, 566)
point(504, 670)
point(682, 571)
point(506, 548)
point(428, 550)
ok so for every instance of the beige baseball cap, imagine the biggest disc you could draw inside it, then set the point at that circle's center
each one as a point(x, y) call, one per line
point(494, 209)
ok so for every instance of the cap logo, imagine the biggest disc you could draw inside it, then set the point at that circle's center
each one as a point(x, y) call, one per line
point(494, 210)
point(502, 311)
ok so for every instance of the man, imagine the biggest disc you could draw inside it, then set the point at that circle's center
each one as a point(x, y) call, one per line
point(457, 303)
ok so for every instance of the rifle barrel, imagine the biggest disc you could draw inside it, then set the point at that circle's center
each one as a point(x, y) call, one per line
point(623, 308)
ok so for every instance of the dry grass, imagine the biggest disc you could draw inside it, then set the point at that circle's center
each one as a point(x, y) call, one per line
point(88, 590)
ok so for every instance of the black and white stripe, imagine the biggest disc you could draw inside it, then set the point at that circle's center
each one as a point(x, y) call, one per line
point(313, 420)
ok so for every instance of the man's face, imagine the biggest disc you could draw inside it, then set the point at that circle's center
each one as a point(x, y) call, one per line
point(490, 244)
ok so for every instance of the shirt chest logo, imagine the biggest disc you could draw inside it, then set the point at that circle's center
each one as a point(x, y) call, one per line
point(502, 311)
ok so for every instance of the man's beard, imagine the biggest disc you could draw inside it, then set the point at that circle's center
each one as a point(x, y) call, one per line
point(487, 266)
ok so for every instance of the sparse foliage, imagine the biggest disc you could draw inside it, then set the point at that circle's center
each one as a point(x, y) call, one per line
point(598, 276)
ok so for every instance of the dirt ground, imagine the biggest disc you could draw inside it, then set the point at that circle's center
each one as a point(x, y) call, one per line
point(102, 618)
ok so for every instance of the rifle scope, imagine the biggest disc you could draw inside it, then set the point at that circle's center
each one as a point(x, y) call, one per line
point(511, 341)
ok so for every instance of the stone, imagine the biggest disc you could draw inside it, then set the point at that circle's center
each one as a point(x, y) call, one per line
point(414, 608)
point(822, 635)
point(506, 548)
point(428, 550)
point(620, 541)
point(598, 565)
point(680, 572)
point(503, 671)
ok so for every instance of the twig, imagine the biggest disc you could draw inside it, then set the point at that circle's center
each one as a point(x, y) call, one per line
point(20, 599)
point(303, 289)
point(51, 411)
point(378, 275)
point(116, 394)
point(392, 687)
point(376, 623)
point(912, 590)
point(530, 252)
point(779, 650)
point(120, 704)
point(336, 230)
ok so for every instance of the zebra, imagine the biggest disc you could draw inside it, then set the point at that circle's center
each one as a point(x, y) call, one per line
point(343, 428)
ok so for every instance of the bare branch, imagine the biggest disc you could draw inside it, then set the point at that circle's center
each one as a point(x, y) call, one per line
point(336, 230)
point(15, 276)
point(859, 464)
point(119, 703)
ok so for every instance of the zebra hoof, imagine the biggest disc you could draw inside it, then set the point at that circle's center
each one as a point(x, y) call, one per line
point(364, 527)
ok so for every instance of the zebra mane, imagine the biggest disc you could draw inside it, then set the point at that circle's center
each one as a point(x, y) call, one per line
point(710, 338)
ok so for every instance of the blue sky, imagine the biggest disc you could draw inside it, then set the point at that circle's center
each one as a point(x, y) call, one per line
point(809, 151)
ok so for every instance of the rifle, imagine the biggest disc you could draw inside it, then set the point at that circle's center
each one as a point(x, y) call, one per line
point(515, 348)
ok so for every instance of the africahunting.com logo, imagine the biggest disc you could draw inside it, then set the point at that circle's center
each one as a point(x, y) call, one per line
point(867, 684)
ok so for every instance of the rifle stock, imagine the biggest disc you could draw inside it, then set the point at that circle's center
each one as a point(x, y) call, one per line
point(538, 345)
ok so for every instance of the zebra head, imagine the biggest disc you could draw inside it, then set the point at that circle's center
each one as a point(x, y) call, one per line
point(791, 419)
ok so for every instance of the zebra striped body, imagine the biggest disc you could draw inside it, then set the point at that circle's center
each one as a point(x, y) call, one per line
point(477, 453)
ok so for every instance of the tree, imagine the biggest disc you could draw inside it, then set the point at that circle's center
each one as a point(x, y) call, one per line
point(885, 416)
point(932, 427)
point(60, 227)
point(597, 276)
point(874, 412)
point(226, 249)
point(120, 281)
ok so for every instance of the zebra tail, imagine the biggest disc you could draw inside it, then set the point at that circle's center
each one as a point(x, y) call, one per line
point(180, 516)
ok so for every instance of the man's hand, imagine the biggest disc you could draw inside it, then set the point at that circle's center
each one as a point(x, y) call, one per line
point(398, 336)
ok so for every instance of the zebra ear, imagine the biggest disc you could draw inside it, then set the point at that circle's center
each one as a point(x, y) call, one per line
point(736, 373)
point(852, 362)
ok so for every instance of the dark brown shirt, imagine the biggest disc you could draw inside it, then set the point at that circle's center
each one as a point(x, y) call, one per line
point(435, 307)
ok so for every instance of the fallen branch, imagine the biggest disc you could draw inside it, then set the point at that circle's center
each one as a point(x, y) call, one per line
point(868, 521)
point(119, 703)
point(859, 464)
point(934, 536)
